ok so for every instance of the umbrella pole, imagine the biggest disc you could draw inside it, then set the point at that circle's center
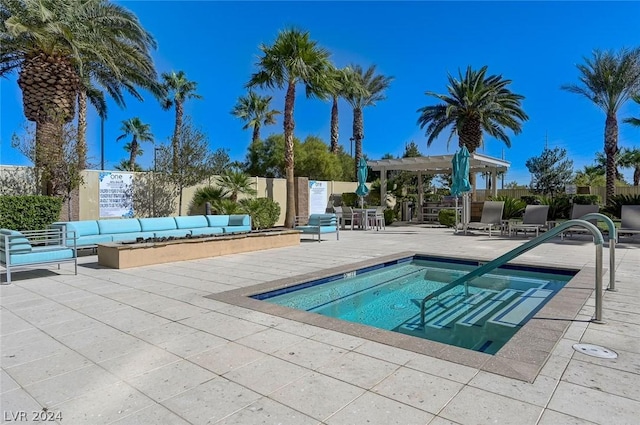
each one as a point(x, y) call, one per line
point(457, 219)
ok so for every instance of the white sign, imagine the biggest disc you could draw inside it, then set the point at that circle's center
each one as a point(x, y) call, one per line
point(571, 189)
point(318, 197)
point(116, 195)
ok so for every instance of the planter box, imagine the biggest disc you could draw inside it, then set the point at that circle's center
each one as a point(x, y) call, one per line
point(119, 255)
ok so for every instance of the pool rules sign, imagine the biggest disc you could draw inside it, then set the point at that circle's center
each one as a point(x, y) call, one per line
point(116, 194)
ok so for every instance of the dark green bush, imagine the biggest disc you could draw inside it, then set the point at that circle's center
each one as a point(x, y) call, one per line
point(529, 199)
point(447, 217)
point(586, 199)
point(389, 216)
point(263, 211)
point(559, 207)
point(29, 212)
point(615, 203)
point(513, 208)
point(350, 199)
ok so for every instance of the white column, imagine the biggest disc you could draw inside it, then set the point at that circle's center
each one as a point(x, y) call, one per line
point(494, 182)
point(420, 198)
point(383, 187)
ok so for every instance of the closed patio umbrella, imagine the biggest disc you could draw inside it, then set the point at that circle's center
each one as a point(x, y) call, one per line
point(460, 179)
point(362, 189)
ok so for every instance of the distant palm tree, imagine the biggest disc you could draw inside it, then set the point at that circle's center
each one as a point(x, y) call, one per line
point(210, 194)
point(601, 164)
point(363, 88)
point(57, 46)
point(255, 110)
point(591, 175)
point(475, 104)
point(140, 132)
point(609, 79)
point(236, 182)
point(336, 88)
point(631, 159)
point(293, 58)
point(634, 121)
point(178, 90)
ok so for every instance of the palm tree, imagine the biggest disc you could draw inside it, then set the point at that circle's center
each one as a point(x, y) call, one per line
point(609, 79)
point(140, 132)
point(631, 159)
point(363, 88)
point(336, 88)
point(179, 89)
point(475, 104)
point(591, 175)
point(236, 182)
point(55, 45)
point(255, 110)
point(634, 121)
point(601, 164)
point(293, 58)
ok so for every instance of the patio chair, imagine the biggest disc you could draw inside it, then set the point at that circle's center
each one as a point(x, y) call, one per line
point(376, 218)
point(348, 215)
point(491, 217)
point(578, 211)
point(535, 218)
point(630, 218)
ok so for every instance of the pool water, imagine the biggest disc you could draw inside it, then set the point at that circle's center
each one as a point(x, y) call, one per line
point(482, 318)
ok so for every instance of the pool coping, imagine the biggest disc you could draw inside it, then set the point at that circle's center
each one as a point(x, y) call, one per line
point(522, 357)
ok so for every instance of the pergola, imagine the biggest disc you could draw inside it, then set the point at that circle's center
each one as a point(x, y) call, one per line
point(438, 164)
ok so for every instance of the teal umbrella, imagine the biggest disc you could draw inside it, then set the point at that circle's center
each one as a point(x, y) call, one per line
point(460, 176)
point(362, 189)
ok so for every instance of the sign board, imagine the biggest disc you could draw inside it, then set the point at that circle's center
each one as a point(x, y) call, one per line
point(318, 197)
point(571, 189)
point(116, 194)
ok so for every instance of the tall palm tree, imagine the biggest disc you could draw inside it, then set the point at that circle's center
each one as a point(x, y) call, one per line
point(236, 182)
point(140, 132)
point(363, 88)
point(255, 110)
point(336, 88)
point(54, 44)
point(293, 58)
point(609, 79)
point(475, 104)
point(179, 89)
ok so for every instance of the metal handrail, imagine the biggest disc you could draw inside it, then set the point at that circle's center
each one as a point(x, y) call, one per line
point(613, 238)
point(505, 258)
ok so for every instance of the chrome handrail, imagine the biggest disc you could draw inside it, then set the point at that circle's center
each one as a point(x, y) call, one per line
point(505, 258)
point(613, 238)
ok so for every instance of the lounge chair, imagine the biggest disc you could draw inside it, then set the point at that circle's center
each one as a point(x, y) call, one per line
point(630, 219)
point(376, 218)
point(348, 215)
point(491, 217)
point(578, 211)
point(535, 218)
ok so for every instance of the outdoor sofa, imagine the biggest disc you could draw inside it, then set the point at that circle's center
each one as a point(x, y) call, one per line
point(318, 224)
point(89, 233)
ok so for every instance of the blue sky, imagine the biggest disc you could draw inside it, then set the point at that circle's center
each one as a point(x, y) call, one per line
point(535, 44)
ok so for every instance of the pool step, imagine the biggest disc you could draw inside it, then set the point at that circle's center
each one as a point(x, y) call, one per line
point(433, 310)
point(517, 312)
point(447, 318)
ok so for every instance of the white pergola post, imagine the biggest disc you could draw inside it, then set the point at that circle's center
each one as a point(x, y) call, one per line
point(420, 197)
point(494, 182)
point(383, 187)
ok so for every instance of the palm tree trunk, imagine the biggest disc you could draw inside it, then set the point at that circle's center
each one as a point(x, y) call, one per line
point(334, 126)
point(636, 176)
point(358, 135)
point(134, 153)
point(48, 153)
point(611, 149)
point(289, 126)
point(176, 135)
point(82, 129)
point(256, 133)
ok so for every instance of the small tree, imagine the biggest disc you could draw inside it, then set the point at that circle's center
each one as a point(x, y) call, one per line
point(193, 160)
point(220, 161)
point(550, 171)
point(153, 195)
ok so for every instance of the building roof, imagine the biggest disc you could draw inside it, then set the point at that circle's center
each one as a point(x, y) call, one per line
point(439, 164)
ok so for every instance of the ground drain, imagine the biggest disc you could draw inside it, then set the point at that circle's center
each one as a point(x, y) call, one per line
point(595, 351)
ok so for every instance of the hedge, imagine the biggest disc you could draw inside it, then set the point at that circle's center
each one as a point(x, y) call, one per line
point(29, 212)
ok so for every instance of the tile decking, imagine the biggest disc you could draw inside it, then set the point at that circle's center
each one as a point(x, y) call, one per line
point(144, 346)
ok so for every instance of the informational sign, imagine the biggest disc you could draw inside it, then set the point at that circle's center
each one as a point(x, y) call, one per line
point(318, 197)
point(116, 194)
point(570, 189)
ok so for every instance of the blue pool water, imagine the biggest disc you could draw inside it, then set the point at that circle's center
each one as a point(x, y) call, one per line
point(388, 296)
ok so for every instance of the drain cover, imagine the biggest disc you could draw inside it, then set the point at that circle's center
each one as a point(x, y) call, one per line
point(595, 351)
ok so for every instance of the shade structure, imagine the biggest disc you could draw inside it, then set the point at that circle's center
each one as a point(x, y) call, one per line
point(362, 189)
point(460, 176)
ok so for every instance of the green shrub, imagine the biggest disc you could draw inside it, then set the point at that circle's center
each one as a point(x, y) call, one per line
point(389, 216)
point(615, 203)
point(350, 199)
point(29, 212)
point(513, 208)
point(263, 211)
point(529, 199)
point(447, 217)
point(586, 199)
point(559, 207)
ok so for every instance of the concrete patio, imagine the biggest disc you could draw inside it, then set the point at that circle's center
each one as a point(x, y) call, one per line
point(144, 346)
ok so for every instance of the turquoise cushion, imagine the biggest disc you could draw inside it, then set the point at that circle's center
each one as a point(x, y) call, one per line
point(206, 231)
point(218, 220)
point(324, 219)
point(314, 229)
point(90, 240)
point(239, 220)
point(82, 228)
point(236, 229)
point(126, 225)
point(191, 222)
point(157, 223)
point(18, 243)
point(41, 255)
